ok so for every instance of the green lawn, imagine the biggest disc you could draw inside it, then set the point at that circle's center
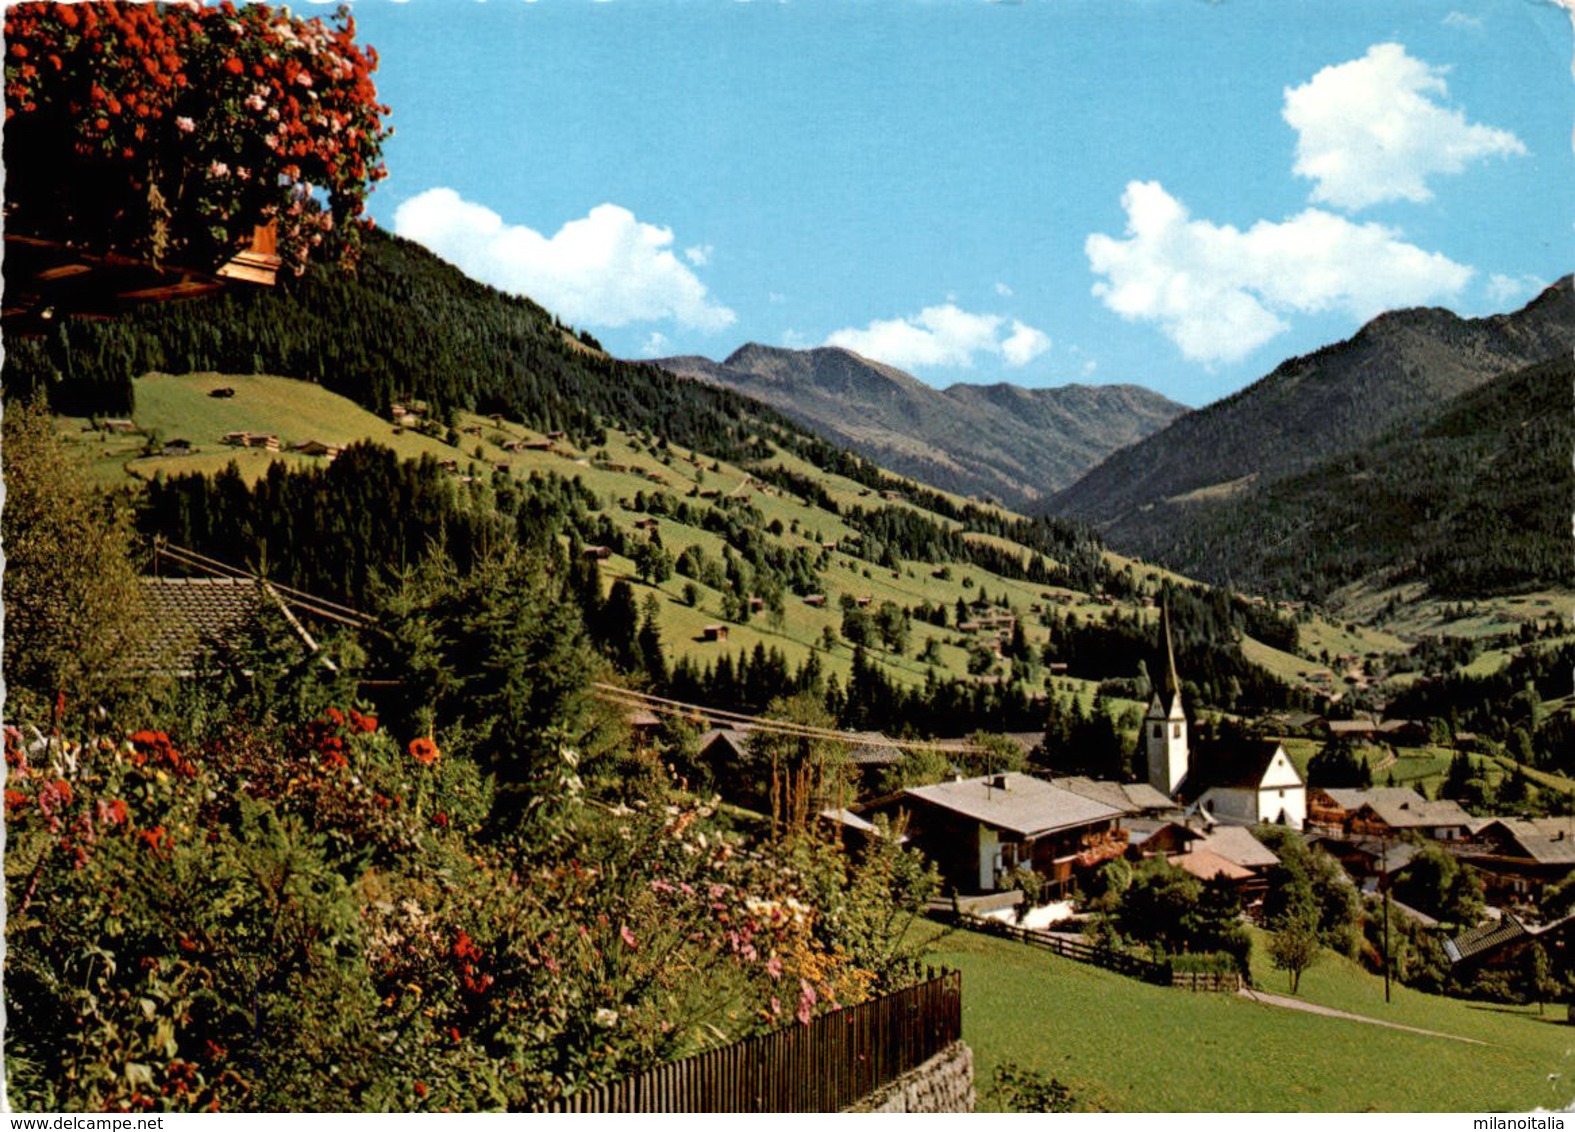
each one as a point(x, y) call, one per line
point(1123, 1045)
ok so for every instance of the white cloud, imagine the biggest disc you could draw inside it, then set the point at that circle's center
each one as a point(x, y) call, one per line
point(1505, 289)
point(1219, 293)
point(1024, 345)
point(776, 297)
point(1461, 20)
point(699, 255)
point(1003, 290)
point(794, 340)
point(605, 269)
point(1373, 130)
point(654, 346)
point(943, 336)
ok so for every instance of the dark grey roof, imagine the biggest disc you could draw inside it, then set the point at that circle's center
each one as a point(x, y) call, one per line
point(1547, 841)
point(1237, 845)
point(1129, 797)
point(1488, 937)
point(190, 615)
point(1026, 806)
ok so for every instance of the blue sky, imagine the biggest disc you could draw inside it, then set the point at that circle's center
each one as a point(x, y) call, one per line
point(1171, 192)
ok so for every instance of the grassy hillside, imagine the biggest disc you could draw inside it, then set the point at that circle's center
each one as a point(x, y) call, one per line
point(1126, 1046)
point(171, 407)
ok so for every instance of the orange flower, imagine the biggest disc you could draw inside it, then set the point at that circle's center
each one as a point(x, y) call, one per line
point(234, 66)
point(424, 751)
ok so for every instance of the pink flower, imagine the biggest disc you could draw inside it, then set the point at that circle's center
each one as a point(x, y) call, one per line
point(218, 169)
point(185, 125)
point(628, 937)
point(806, 1001)
point(774, 967)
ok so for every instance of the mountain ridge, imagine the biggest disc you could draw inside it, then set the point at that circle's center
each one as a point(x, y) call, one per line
point(1000, 440)
point(1313, 407)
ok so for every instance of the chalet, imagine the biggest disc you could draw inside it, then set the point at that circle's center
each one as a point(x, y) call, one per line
point(647, 524)
point(1131, 798)
point(816, 600)
point(316, 448)
point(1230, 851)
point(222, 391)
point(118, 424)
point(194, 622)
point(597, 552)
point(644, 723)
point(830, 544)
point(555, 435)
point(1371, 862)
point(1501, 946)
point(1404, 732)
point(1517, 857)
point(757, 604)
point(533, 445)
point(177, 447)
point(977, 830)
point(1353, 730)
point(1387, 812)
point(404, 418)
point(709, 493)
point(714, 632)
point(864, 601)
point(471, 430)
point(265, 440)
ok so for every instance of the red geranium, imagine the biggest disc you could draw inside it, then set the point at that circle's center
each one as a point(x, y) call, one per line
point(424, 751)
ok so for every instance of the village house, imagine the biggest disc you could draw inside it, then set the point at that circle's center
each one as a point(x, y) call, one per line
point(714, 632)
point(1518, 857)
point(597, 552)
point(977, 830)
point(1501, 946)
point(1387, 812)
point(316, 448)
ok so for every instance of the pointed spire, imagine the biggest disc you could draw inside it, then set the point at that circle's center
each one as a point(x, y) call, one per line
point(1170, 651)
point(1170, 658)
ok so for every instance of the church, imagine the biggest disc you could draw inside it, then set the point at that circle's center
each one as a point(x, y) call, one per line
point(1240, 783)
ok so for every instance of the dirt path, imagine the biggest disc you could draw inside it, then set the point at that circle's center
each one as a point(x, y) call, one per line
point(1329, 1012)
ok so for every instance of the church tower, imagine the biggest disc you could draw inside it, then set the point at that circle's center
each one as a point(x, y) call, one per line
point(1165, 727)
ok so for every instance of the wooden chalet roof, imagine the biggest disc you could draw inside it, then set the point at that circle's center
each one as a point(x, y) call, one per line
point(1128, 797)
point(46, 280)
point(1547, 841)
point(1205, 864)
point(1236, 844)
point(189, 615)
point(1488, 937)
point(1401, 807)
point(1024, 806)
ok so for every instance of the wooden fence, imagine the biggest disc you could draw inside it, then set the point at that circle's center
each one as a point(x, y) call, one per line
point(1118, 961)
point(826, 1066)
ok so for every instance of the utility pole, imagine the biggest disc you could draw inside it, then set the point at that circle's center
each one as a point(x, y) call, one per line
point(1385, 881)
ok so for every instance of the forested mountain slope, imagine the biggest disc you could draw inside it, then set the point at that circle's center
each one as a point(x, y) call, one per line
point(1475, 502)
point(1393, 374)
point(1003, 441)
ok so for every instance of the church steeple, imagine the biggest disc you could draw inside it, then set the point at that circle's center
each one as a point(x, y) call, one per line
point(1165, 727)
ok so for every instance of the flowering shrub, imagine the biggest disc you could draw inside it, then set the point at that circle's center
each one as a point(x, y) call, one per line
point(315, 919)
point(171, 130)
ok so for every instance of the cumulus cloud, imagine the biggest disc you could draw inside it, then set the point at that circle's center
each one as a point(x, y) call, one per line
point(1374, 130)
point(943, 336)
point(1219, 293)
point(699, 255)
point(1505, 289)
point(654, 346)
point(605, 269)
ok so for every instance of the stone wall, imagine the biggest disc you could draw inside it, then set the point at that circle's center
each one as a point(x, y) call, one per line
point(942, 1084)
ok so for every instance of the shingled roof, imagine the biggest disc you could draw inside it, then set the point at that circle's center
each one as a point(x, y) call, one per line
point(1129, 797)
point(188, 616)
point(1547, 841)
point(1024, 805)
